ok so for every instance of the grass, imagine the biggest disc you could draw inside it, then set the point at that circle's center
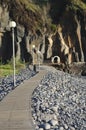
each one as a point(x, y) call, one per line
point(7, 69)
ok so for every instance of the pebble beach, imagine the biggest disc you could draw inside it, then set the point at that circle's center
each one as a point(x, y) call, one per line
point(59, 102)
point(7, 85)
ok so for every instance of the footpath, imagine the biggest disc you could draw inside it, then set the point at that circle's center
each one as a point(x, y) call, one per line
point(15, 108)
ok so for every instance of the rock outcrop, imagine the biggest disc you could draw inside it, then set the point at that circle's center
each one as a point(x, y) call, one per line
point(67, 41)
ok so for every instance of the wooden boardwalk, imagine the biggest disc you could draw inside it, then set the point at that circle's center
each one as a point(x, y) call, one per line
point(15, 108)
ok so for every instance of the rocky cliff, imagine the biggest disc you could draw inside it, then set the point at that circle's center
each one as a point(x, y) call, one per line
point(57, 28)
point(70, 36)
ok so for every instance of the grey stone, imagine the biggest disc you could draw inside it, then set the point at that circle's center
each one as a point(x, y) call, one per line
point(47, 126)
point(66, 126)
point(72, 128)
point(53, 122)
point(61, 128)
point(40, 129)
point(55, 108)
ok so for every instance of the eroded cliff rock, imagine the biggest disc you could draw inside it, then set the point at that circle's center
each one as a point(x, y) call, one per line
point(67, 41)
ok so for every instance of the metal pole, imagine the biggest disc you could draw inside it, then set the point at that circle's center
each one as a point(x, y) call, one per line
point(33, 57)
point(34, 66)
point(39, 59)
point(13, 57)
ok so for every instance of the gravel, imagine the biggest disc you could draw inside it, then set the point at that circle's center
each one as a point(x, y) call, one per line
point(6, 83)
point(59, 102)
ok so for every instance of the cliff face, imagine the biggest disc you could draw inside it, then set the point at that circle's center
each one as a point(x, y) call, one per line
point(56, 28)
point(27, 17)
point(70, 36)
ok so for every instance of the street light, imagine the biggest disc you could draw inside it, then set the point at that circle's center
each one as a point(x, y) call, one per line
point(39, 54)
point(34, 66)
point(12, 25)
point(33, 47)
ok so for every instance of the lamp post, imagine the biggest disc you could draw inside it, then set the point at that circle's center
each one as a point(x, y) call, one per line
point(33, 47)
point(39, 53)
point(13, 25)
point(34, 66)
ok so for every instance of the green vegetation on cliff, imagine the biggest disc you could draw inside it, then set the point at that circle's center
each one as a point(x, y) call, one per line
point(77, 4)
point(30, 13)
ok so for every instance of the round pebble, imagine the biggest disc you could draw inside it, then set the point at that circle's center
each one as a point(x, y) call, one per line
point(40, 129)
point(53, 122)
point(47, 126)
